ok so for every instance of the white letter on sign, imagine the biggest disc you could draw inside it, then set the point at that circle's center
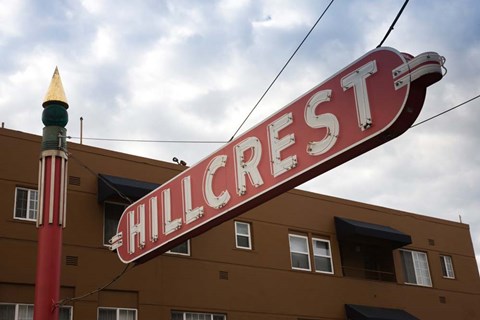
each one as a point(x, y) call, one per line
point(136, 229)
point(190, 214)
point(356, 80)
point(168, 225)
point(280, 166)
point(153, 219)
point(212, 200)
point(326, 120)
point(250, 167)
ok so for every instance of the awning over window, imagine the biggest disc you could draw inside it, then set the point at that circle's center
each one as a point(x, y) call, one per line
point(133, 189)
point(353, 230)
point(358, 312)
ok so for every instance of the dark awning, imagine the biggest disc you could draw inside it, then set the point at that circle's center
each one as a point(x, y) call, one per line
point(358, 312)
point(353, 230)
point(133, 189)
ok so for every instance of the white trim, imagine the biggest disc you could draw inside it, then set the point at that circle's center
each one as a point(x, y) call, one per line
point(41, 181)
point(290, 236)
point(190, 313)
point(419, 278)
point(323, 256)
point(29, 195)
point(117, 311)
point(17, 307)
point(181, 253)
point(51, 203)
point(448, 266)
point(248, 235)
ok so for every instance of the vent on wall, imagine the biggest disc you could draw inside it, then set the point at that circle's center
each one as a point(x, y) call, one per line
point(223, 275)
point(431, 242)
point(71, 260)
point(75, 181)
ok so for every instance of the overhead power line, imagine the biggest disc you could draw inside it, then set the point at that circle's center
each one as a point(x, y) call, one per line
point(283, 68)
point(393, 23)
point(199, 141)
point(147, 140)
point(119, 275)
point(443, 112)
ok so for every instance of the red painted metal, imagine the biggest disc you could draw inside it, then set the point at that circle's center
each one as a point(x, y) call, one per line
point(52, 199)
point(394, 85)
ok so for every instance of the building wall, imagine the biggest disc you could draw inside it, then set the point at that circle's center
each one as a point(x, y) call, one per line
point(217, 277)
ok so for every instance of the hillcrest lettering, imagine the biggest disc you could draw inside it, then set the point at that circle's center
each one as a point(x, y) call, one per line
point(368, 103)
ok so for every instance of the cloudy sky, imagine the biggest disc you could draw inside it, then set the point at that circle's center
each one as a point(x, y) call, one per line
point(193, 70)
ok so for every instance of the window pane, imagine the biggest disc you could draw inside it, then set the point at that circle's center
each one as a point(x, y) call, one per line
point(415, 267)
point(242, 228)
point(7, 311)
point(182, 248)
point(107, 314)
point(421, 268)
point(321, 248)
point(126, 314)
point(113, 212)
point(21, 203)
point(242, 233)
point(408, 267)
point(33, 204)
point(64, 313)
point(323, 264)
point(25, 312)
point(447, 266)
point(243, 242)
point(444, 267)
point(177, 315)
point(298, 244)
point(300, 260)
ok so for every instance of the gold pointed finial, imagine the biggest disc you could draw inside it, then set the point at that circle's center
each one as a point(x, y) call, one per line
point(55, 92)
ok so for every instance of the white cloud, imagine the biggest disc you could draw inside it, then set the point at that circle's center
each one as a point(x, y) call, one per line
point(11, 17)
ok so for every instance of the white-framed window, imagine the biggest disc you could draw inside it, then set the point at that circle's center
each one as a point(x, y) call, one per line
point(18, 311)
point(447, 267)
point(116, 314)
point(299, 252)
point(184, 315)
point(182, 249)
point(243, 238)
point(26, 204)
point(322, 255)
point(112, 212)
point(415, 268)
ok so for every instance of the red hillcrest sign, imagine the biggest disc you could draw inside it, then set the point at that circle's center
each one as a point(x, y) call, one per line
point(371, 101)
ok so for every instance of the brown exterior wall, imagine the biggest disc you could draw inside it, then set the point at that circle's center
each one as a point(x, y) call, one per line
point(217, 277)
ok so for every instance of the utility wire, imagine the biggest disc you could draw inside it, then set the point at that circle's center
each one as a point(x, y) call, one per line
point(393, 23)
point(123, 196)
point(283, 68)
point(146, 140)
point(193, 141)
point(66, 300)
point(448, 110)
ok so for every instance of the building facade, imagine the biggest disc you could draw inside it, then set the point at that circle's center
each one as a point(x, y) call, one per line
point(299, 256)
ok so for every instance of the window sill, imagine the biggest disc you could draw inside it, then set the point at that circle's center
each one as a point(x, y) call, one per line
point(24, 221)
point(418, 285)
point(243, 249)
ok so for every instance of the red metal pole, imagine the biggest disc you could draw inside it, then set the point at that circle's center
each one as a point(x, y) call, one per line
point(52, 185)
